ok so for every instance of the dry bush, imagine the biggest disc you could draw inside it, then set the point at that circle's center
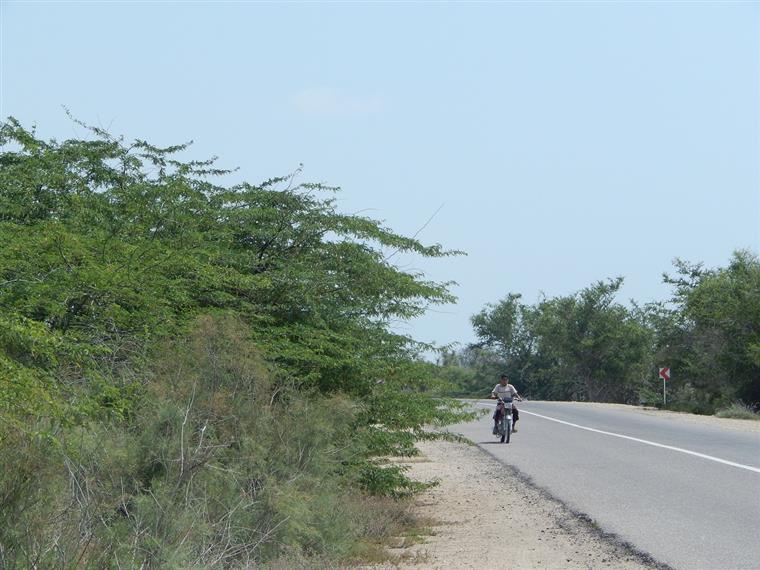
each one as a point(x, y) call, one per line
point(739, 410)
point(221, 464)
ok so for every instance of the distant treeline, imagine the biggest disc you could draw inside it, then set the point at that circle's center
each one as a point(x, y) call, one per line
point(589, 347)
point(194, 375)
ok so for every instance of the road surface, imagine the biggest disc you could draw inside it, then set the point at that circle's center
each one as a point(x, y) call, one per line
point(686, 493)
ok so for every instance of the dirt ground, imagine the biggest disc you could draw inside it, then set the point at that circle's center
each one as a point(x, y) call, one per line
point(483, 515)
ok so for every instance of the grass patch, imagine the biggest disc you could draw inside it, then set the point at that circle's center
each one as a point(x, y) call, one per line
point(740, 411)
point(394, 527)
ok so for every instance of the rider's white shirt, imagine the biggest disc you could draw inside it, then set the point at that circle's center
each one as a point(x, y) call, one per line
point(505, 392)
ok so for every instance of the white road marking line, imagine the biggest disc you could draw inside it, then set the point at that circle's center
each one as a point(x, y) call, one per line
point(647, 442)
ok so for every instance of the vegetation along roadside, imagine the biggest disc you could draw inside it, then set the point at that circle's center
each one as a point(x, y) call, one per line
point(195, 375)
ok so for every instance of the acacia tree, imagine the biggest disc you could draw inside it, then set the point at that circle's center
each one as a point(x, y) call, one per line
point(508, 343)
point(109, 247)
point(597, 348)
point(709, 333)
point(580, 347)
point(181, 322)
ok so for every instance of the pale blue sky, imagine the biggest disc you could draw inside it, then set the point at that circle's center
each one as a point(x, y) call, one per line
point(568, 142)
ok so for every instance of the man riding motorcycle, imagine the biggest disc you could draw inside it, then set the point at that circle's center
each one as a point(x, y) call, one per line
point(505, 391)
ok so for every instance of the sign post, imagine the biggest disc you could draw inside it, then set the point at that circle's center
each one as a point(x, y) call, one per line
point(665, 375)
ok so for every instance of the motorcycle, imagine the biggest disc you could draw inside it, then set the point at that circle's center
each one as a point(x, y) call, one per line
point(504, 419)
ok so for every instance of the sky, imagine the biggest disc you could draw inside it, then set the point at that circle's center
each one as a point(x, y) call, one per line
point(557, 143)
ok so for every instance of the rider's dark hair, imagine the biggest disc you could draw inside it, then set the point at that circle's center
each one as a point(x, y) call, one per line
point(503, 376)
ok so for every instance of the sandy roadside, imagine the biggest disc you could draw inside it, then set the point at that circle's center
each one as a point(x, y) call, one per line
point(525, 528)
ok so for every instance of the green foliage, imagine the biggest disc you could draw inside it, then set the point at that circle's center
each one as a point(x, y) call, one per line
point(596, 346)
point(588, 347)
point(462, 380)
point(710, 332)
point(580, 347)
point(388, 480)
point(220, 464)
point(111, 250)
point(739, 410)
point(118, 246)
point(506, 331)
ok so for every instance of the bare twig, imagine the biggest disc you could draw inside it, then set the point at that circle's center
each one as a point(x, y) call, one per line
point(430, 219)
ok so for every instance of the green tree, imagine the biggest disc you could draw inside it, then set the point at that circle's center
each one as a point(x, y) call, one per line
point(596, 346)
point(507, 344)
point(110, 250)
point(578, 347)
point(117, 246)
point(709, 333)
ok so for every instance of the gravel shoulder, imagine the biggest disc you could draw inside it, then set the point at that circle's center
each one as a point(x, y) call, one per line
point(484, 515)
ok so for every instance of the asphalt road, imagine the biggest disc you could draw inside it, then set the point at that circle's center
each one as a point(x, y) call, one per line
point(686, 493)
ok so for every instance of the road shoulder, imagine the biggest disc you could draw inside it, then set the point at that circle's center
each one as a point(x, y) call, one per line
point(486, 514)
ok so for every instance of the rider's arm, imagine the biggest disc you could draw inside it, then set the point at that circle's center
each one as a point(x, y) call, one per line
point(514, 390)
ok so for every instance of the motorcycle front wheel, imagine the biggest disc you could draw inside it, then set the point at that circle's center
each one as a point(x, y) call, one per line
point(506, 430)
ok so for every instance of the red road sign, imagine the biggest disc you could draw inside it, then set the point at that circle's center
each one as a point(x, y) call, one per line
point(665, 373)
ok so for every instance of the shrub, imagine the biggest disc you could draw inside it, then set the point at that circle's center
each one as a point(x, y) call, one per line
point(739, 410)
point(221, 463)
